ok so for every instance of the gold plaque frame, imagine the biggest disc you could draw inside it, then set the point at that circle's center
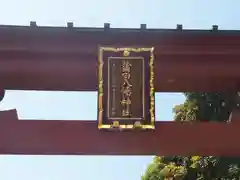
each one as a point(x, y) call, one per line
point(115, 124)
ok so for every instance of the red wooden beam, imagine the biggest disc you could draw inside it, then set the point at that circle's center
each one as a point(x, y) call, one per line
point(48, 58)
point(86, 40)
point(68, 71)
point(66, 59)
point(83, 138)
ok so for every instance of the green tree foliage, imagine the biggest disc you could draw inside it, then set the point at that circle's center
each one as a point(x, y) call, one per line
point(201, 107)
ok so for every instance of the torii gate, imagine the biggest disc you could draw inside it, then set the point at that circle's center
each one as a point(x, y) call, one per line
point(59, 58)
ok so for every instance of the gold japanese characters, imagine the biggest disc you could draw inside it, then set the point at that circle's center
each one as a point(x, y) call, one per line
point(125, 88)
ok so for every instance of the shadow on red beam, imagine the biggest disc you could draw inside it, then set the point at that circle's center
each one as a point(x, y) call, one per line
point(41, 137)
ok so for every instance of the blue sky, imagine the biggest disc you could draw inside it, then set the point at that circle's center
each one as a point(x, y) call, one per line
point(38, 105)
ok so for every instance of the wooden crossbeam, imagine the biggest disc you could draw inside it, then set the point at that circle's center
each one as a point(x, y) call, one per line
point(83, 138)
point(41, 58)
point(48, 58)
point(34, 71)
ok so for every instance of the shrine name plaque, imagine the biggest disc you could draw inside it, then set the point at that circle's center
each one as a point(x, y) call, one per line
point(126, 88)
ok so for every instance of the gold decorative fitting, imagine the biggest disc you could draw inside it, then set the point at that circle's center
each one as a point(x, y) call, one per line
point(137, 124)
point(126, 53)
point(115, 124)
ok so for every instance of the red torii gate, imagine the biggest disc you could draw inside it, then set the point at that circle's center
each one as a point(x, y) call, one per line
point(58, 58)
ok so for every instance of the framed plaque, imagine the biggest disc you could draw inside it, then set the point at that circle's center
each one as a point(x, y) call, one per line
point(126, 88)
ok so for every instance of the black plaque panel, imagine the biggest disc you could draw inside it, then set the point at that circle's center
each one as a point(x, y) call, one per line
point(126, 88)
